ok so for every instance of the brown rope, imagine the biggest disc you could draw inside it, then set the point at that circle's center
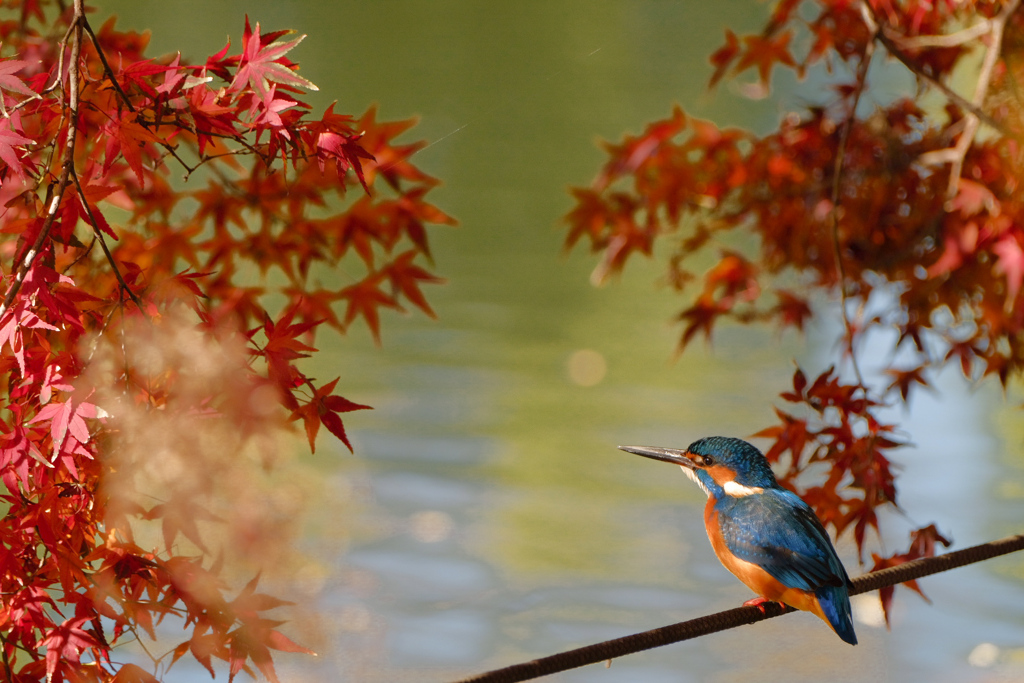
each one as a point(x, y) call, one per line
point(599, 652)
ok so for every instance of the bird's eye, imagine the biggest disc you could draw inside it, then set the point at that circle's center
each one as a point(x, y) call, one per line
point(708, 461)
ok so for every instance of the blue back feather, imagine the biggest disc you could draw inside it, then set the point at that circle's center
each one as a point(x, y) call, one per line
point(835, 603)
point(779, 532)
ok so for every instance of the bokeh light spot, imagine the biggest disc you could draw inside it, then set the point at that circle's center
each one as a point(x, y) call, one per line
point(587, 367)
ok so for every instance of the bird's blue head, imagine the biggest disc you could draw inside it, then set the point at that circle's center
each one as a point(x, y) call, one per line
point(721, 465)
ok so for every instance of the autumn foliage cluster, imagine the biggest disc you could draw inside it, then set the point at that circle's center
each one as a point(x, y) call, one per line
point(906, 211)
point(171, 235)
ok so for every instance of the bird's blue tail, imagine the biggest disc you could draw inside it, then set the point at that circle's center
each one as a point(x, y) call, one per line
point(835, 603)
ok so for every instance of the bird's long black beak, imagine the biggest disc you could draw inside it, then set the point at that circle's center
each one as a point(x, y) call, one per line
point(672, 455)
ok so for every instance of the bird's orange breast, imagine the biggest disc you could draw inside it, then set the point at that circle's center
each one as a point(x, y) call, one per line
point(756, 578)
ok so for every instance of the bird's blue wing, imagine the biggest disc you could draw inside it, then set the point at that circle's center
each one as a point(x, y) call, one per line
point(777, 531)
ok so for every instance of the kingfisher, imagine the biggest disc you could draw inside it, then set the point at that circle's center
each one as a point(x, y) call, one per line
point(764, 534)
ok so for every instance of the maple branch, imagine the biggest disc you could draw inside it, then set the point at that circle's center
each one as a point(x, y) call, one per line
point(189, 170)
point(213, 157)
point(956, 154)
point(100, 332)
point(173, 152)
point(6, 113)
point(240, 140)
point(58, 82)
point(109, 73)
point(957, 99)
point(892, 41)
point(85, 252)
point(106, 65)
point(966, 138)
point(103, 243)
point(7, 660)
point(48, 89)
point(68, 164)
point(949, 40)
point(837, 174)
point(134, 631)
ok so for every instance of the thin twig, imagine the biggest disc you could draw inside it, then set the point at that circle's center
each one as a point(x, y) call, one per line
point(84, 252)
point(106, 65)
point(837, 175)
point(59, 80)
point(135, 632)
point(7, 660)
point(173, 152)
point(212, 157)
point(68, 164)
point(103, 243)
point(8, 111)
point(58, 83)
point(103, 328)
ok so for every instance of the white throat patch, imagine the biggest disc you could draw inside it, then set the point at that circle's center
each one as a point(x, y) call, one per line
point(693, 477)
point(735, 490)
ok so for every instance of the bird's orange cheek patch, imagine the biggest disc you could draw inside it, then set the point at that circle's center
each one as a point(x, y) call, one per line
point(721, 474)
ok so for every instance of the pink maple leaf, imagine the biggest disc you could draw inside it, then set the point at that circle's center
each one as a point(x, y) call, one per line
point(66, 418)
point(261, 65)
point(8, 81)
point(65, 643)
point(1011, 264)
point(9, 139)
point(11, 331)
point(271, 106)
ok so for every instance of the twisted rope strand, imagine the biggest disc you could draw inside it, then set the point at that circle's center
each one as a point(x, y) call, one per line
point(712, 623)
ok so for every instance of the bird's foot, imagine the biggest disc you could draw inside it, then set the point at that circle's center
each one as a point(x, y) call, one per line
point(757, 602)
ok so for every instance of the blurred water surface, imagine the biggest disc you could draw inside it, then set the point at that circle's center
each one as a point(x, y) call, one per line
point(486, 517)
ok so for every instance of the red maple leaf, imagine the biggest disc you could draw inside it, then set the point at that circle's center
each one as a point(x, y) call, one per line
point(922, 544)
point(260, 65)
point(133, 673)
point(764, 52)
point(972, 198)
point(127, 139)
point(792, 310)
point(364, 298)
point(406, 278)
point(11, 331)
point(700, 316)
point(724, 56)
point(211, 116)
point(140, 74)
point(904, 379)
point(346, 152)
point(283, 346)
point(324, 408)
point(175, 519)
